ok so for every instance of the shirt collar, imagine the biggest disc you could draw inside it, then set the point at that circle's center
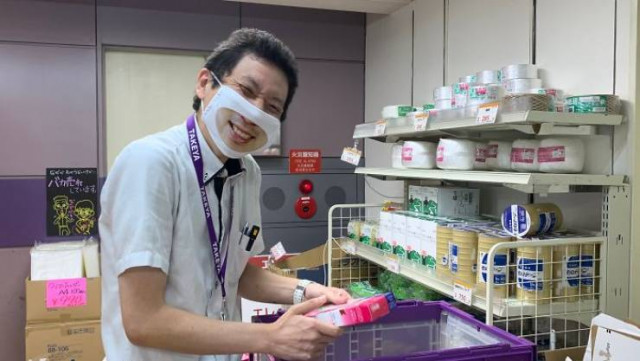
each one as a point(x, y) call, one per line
point(211, 162)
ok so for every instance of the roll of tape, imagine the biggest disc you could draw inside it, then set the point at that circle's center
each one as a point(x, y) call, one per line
point(456, 154)
point(469, 79)
point(488, 77)
point(444, 104)
point(499, 155)
point(599, 103)
point(524, 102)
point(460, 94)
point(443, 92)
point(396, 156)
point(561, 155)
point(521, 85)
point(396, 111)
point(419, 154)
point(479, 94)
point(519, 71)
point(531, 219)
point(524, 155)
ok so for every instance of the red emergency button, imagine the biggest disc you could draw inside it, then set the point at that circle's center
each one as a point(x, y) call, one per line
point(305, 207)
point(306, 186)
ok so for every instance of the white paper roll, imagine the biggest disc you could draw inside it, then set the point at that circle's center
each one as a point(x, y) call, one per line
point(396, 156)
point(519, 71)
point(480, 94)
point(481, 157)
point(521, 85)
point(499, 155)
point(419, 154)
point(443, 92)
point(524, 155)
point(488, 77)
point(396, 111)
point(561, 155)
point(457, 154)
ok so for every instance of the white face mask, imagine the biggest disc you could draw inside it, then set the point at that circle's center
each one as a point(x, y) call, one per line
point(228, 105)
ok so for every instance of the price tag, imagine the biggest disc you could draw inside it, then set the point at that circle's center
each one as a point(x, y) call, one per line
point(420, 121)
point(488, 113)
point(66, 293)
point(349, 247)
point(462, 293)
point(379, 129)
point(278, 251)
point(392, 264)
point(351, 155)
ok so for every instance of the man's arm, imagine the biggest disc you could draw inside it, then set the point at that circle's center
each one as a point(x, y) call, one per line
point(149, 322)
point(260, 285)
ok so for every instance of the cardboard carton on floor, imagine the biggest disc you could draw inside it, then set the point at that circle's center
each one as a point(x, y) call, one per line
point(78, 341)
point(37, 293)
point(611, 339)
point(574, 353)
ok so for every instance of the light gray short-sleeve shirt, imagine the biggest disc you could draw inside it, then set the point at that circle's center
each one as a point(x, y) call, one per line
point(152, 215)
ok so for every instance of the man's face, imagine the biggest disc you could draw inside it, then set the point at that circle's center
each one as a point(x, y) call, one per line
point(262, 84)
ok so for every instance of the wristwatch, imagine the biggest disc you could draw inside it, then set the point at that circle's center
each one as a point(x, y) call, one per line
point(298, 293)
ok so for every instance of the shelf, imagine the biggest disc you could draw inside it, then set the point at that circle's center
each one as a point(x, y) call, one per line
point(527, 182)
point(502, 307)
point(462, 122)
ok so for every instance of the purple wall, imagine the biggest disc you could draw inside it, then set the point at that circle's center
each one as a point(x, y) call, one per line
point(51, 96)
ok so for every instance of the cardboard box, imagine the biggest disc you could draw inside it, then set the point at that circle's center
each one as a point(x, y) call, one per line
point(611, 339)
point(574, 353)
point(37, 311)
point(78, 341)
point(444, 201)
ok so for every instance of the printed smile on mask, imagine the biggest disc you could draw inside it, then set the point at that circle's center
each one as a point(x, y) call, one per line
point(240, 134)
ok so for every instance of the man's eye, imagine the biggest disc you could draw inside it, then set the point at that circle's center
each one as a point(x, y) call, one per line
point(248, 92)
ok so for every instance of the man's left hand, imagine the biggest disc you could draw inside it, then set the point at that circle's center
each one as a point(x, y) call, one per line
point(334, 295)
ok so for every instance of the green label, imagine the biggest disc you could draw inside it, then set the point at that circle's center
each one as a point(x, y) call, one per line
point(428, 106)
point(404, 110)
point(399, 250)
point(414, 256)
point(415, 205)
point(430, 208)
point(429, 261)
point(386, 247)
point(365, 240)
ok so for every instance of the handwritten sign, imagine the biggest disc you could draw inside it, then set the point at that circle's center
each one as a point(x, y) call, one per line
point(72, 198)
point(67, 293)
point(462, 292)
point(305, 161)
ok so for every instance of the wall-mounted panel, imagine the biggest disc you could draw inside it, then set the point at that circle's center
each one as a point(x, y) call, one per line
point(14, 265)
point(167, 24)
point(327, 106)
point(576, 56)
point(59, 22)
point(23, 213)
point(47, 108)
point(488, 34)
point(428, 49)
point(311, 33)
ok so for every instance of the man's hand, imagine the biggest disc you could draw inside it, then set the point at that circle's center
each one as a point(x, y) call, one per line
point(297, 337)
point(334, 295)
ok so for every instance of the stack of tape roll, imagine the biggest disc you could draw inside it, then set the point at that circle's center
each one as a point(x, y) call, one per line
point(522, 220)
point(456, 154)
point(396, 111)
point(524, 155)
point(524, 102)
point(488, 77)
point(518, 86)
point(534, 279)
point(443, 97)
point(469, 79)
point(396, 156)
point(600, 103)
point(463, 250)
point(589, 271)
point(501, 261)
point(519, 71)
point(443, 238)
point(419, 154)
point(566, 273)
point(481, 157)
point(480, 94)
point(561, 155)
point(460, 94)
point(499, 155)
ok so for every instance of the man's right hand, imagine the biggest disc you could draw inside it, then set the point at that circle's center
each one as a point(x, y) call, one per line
point(297, 337)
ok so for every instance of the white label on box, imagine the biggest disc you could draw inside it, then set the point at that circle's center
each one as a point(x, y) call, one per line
point(379, 129)
point(462, 293)
point(351, 155)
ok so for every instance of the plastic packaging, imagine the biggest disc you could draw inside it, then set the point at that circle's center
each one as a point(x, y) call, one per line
point(601, 103)
point(463, 250)
point(460, 94)
point(525, 102)
point(561, 155)
point(396, 156)
point(521, 85)
point(480, 94)
point(444, 104)
point(396, 111)
point(470, 79)
point(486, 240)
point(356, 311)
point(488, 77)
point(443, 238)
point(419, 154)
point(524, 155)
point(534, 274)
point(519, 71)
point(566, 273)
point(369, 232)
point(499, 155)
point(531, 219)
point(443, 92)
point(456, 154)
point(481, 157)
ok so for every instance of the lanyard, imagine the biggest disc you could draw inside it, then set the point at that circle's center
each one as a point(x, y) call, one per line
point(196, 158)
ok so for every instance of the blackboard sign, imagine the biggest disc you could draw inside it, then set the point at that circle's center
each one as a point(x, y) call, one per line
point(72, 199)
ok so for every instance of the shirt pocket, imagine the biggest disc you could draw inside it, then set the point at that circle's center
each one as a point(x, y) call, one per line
point(238, 257)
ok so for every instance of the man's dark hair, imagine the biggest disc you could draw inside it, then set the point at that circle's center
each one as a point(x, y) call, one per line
point(259, 43)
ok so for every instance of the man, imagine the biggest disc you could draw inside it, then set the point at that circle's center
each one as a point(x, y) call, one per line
point(177, 225)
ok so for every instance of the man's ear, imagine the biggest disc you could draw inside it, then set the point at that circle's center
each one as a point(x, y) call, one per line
point(202, 80)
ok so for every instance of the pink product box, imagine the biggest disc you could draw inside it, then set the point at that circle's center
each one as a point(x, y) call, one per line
point(356, 311)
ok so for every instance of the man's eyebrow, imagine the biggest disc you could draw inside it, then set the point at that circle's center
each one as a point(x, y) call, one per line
point(255, 86)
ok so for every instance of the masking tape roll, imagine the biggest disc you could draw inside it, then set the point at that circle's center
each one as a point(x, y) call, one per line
point(531, 219)
point(519, 71)
point(534, 274)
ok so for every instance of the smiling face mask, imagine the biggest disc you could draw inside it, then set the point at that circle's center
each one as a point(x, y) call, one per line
point(234, 137)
